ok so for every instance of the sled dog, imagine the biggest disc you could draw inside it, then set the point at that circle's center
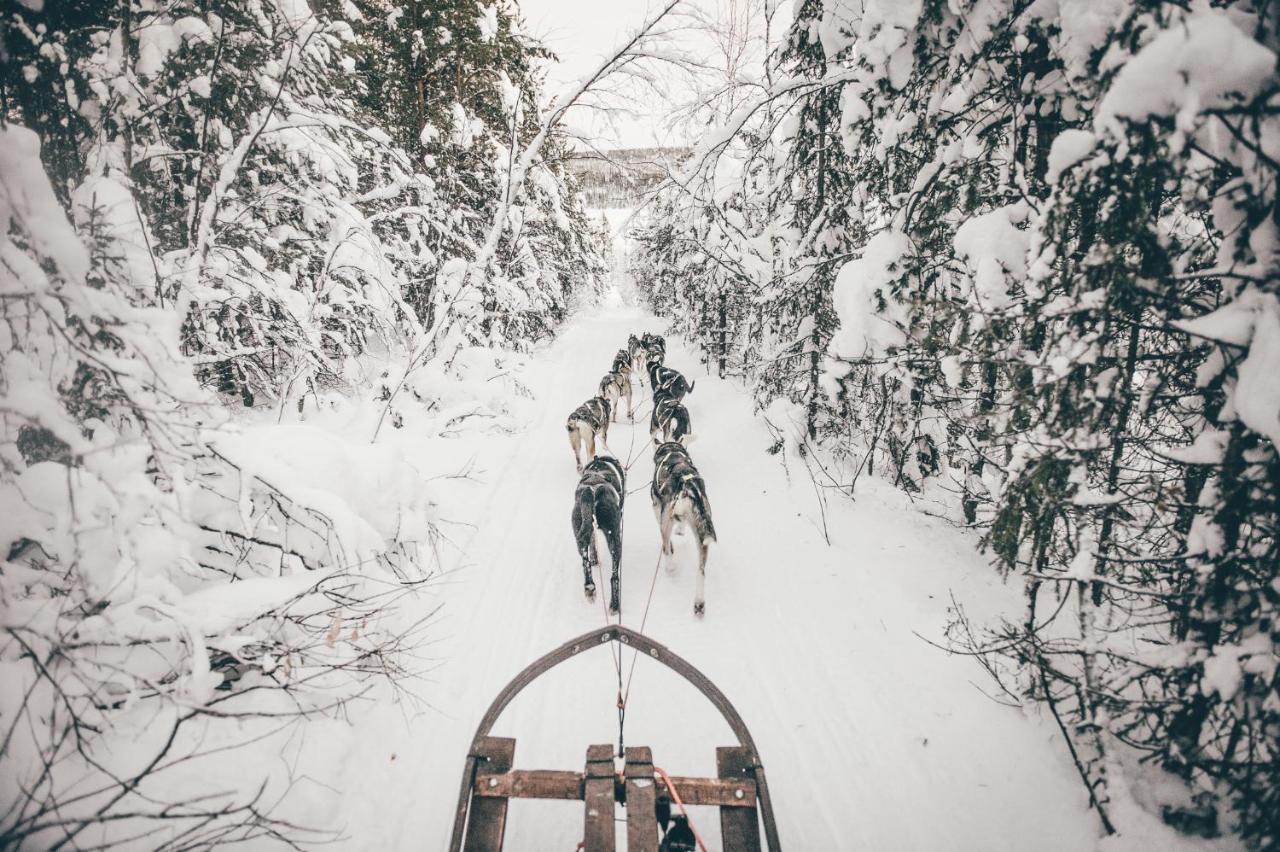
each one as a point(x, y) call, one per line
point(622, 364)
point(588, 420)
point(668, 382)
point(614, 387)
point(655, 348)
point(638, 354)
point(669, 421)
point(597, 504)
point(680, 497)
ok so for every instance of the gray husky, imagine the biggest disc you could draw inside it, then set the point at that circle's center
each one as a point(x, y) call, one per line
point(588, 420)
point(680, 496)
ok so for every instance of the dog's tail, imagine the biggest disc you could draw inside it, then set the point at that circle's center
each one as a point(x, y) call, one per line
point(691, 384)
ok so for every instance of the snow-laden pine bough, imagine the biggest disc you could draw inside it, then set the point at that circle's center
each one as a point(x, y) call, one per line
point(490, 781)
point(597, 504)
point(588, 420)
point(680, 497)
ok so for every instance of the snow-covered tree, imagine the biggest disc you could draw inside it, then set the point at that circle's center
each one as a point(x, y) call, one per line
point(205, 211)
point(1048, 231)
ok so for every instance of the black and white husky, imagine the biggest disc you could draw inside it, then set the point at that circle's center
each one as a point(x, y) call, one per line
point(668, 382)
point(655, 349)
point(680, 497)
point(638, 354)
point(616, 386)
point(597, 505)
point(669, 421)
point(588, 420)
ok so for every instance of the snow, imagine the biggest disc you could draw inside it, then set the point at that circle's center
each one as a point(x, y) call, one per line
point(1069, 147)
point(1209, 447)
point(1257, 396)
point(997, 250)
point(1201, 63)
point(817, 646)
point(488, 22)
point(1232, 323)
point(1251, 321)
point(882, 30)
point(862, 287)
point(1082, 24)
point(27, 200)
point(201, 85)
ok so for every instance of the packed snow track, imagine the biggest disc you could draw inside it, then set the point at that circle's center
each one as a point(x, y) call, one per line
point(873, 738)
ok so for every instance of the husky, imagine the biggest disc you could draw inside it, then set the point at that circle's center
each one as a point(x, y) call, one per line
point(614, 387)
point(669, 421)
point(680, 496)
point(597, 504)
point(668, 382)
point(655, 349)
point(622, 364)
point(588, 420)
point(638, 354)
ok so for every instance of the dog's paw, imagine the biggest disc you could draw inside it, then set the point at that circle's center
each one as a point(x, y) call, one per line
point(699, 608)
point(614, 606)
point(590, 590)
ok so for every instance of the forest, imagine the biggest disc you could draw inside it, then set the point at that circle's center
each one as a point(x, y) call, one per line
point(286, 287)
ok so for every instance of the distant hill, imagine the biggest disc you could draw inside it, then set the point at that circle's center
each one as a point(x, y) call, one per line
point(622, 177)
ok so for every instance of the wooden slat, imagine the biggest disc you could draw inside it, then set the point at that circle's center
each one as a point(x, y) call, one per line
point(642, 822)
point(488, 819)
point(531, 784)
point(598, 792)
point(566, 785)
point(724, 793)
point(739, 827)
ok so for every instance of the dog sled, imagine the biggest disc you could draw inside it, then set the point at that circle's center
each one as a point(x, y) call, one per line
point(490, 781)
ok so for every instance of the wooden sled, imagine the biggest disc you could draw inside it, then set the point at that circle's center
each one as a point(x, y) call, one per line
point(489, 780)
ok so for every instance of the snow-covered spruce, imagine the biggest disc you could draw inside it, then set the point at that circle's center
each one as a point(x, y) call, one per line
point(1050, 251)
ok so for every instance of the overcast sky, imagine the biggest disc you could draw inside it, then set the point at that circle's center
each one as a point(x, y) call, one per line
point(582, 33)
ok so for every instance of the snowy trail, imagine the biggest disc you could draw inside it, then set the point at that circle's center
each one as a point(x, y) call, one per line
point(872, 738)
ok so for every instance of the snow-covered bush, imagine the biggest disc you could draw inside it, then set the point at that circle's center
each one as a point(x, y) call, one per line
point(162, 571)
point(204, 211)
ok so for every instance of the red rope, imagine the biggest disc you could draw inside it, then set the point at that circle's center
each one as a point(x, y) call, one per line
point(676, 796)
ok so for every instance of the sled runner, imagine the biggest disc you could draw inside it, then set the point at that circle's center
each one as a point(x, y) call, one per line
point(489, 780)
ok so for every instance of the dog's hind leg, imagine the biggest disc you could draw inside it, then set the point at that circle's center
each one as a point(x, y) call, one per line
point(608, 517)
point(584, 532)
point(700, 592)
point(614, 538)
point(574, 444)
point(666, 522)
